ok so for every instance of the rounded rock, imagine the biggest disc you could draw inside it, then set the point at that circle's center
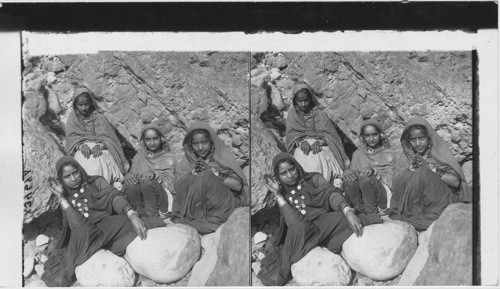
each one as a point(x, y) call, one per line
point(105, 269)
point(320, 267)
point(383, 251)
point(167, 254)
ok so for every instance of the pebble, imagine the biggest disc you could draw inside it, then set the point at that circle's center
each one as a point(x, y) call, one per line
point(256, 267)
point(29, 264)
point(261, 255)
point(39, 269)
point(42, 240)
point(259, 237)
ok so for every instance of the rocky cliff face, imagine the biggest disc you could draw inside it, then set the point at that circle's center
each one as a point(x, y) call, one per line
point(352, 87)
point(133, 89)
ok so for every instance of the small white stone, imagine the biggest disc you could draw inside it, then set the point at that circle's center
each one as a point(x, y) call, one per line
point(256, 267)
point(43, 258)
point(261, 255)
point(42, 240)
point(259, 237)
point(29, 265)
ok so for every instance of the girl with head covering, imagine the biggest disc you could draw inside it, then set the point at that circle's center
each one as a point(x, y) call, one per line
point(313, 213)
point(149, 183)
point(210, 183)
point(368, 180)
point(312, 138)
point(92, 140)
point(427, 177)
point(95, 216)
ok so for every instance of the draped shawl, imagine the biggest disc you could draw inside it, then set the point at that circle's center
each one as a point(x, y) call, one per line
point(323, 128)
point(95, 128)
point(439, 152)
point(222, 156)
point(163, 162)
point(382, 158)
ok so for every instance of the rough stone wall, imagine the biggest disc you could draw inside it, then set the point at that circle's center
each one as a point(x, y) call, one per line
point(352, 87)
point(133, 89)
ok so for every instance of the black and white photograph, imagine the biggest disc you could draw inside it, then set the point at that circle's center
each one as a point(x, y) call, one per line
point(362, 168)
point(136, 169)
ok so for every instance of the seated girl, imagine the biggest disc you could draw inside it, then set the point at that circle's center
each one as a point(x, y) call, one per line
point(368, 180)
point(95, 216)
point(149, 183)
point(92, 140)
point(427, 177)
point(210, 183)
point(313, 213)
point(309, 129)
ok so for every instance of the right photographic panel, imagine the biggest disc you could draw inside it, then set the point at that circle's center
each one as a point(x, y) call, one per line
point(361, 168)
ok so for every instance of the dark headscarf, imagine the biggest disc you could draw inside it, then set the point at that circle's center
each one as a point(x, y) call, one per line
point(439, 151)
point(222, 155)
point(382, 158)
point(77, 130)
point(323, 126)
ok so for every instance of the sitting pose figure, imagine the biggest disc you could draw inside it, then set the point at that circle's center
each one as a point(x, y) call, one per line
point(210, 183)
point(427, 177)
point(95, 216)
point(92, 140)
point(150, 182)
point(312, 138)
point(368, 180)
point(313, 213)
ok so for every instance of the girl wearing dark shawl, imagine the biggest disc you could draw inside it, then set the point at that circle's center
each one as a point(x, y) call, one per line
point(369, 177)
point(313, 213)
point(427, 177)
point(149, 183)
point(92, 140)
point(210, 183)
point(95, 216)
point(311, 137)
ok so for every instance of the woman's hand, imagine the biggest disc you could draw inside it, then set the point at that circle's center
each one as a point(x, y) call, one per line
point(272, 185)
point(316, 147)
point(366, 172)
point(354, 222)
point(304, 146)
point(56, 188)
point(130, 179)
point(199, 165)
point(139, 226)
point(147, 176)
point(96, 151)
point(85, 151)
point(350, 175)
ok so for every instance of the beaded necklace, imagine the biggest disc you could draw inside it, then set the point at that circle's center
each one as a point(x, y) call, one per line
point(80, 202)
point(297, 199)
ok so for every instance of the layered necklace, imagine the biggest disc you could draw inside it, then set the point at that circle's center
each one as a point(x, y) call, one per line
point(80, 202)
point(297, 200)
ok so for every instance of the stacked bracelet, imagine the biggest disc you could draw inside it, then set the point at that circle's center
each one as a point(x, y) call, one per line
point(347, 209)
point(130, 213)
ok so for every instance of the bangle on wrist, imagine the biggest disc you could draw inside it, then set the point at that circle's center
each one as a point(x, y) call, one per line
point(131, 212)
point(347, 209)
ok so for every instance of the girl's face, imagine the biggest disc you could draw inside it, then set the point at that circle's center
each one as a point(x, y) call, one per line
point(71, 177)
point(83, 104)
point(371, 136)
point(419, 141)
point(152, 140)
point(303, 101)
point(201, 145)
point(288, 173)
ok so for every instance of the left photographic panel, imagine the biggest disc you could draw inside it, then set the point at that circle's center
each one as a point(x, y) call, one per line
point(135, 164)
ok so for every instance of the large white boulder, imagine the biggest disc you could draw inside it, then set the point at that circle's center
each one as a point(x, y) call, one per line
point(383, 251)
point(167, 254)
point(320, 267)
point(105, 269)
